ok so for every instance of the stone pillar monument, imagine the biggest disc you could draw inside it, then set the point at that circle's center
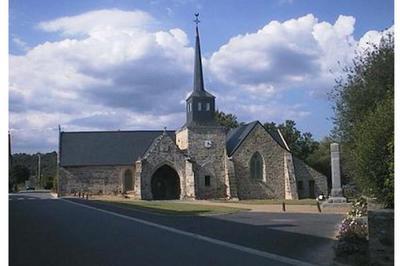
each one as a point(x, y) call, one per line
point(336, 192)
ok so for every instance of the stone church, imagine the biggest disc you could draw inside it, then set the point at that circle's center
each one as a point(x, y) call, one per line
point(200, 160)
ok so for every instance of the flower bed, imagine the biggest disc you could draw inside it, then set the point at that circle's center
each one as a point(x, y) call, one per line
point(353, 235)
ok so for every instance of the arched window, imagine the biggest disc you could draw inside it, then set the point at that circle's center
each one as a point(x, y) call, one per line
point(256, 166)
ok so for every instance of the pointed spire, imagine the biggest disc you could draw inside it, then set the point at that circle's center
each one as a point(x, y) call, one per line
point(198, 68)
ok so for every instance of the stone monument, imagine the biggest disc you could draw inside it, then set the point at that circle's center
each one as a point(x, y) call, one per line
point(336, 192)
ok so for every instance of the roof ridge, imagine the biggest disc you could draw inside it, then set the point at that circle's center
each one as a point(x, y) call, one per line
point(118, 131)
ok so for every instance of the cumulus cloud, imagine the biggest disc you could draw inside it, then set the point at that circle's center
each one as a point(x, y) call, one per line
point(97, 21)
point(373, 38)
point(297, 58)
point(121, 74)
point(282, 55)
point(20, 44)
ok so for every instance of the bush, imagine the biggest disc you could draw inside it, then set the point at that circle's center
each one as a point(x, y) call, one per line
point(353, 231)
point(358, 208)
point(350, 191)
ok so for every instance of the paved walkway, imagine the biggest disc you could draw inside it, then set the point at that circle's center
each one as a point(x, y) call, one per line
point(270, 207)
point(275, 208)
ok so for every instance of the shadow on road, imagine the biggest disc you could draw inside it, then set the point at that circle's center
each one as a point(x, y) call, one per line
point(268, 237)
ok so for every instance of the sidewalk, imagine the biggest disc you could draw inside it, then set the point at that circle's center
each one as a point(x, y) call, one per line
point(271, 207)
point(274, 208)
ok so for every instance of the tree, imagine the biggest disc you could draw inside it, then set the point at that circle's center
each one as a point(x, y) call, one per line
point(301, 144)
point(48, 165)
point(320, 158)
point(364, 120)
point(269, 126)
point(20, 173)
point(226, 120)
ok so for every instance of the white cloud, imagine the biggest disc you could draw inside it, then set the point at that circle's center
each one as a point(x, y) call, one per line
point(301, 53)
point(98, 21)
point(121, 74)
point(373, 38)
point(285, 55)
point(273, 111)
point(21, 44)
point(285, 60)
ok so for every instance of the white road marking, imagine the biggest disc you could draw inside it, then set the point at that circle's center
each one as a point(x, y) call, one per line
point(31, 198)
point(204, 238)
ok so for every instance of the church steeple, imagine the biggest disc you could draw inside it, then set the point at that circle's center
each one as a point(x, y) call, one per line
point(198, 68)
point(200, 105)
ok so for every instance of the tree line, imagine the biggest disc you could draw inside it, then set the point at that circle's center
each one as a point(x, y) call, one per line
point(25, 166)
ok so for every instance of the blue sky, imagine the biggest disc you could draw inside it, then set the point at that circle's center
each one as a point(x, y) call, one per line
point(108, 65)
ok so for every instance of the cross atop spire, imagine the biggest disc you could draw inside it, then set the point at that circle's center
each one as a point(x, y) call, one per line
point(196, 20)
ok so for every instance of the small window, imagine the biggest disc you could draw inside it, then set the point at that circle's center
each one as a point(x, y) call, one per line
point(207, 106)
point(299, 184)
point(199, 106)
point(189, 107)
point(207, 180)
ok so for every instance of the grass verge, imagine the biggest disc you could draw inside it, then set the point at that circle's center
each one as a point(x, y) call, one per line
point(275, 202)
point(172, 207)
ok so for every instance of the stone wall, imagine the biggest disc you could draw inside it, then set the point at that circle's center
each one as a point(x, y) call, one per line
point(381, 237)
point(273, 185)
point(163, 151)
point(290, 177)
point(209, 161)
point(304, 173)
point(230, 179)
point(182, 138)
point(93, 179)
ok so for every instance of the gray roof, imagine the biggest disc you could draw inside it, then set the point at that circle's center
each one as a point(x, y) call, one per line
point(198, 84)
point(125, 147)
point(237, 135)
point(105, 147)
point(201, 93)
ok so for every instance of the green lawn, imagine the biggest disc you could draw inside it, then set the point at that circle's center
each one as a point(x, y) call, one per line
point(173, 208)
point(275, 202)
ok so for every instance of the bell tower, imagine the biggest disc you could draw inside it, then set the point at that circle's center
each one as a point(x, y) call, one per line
point(201, 138)
point(200, 105)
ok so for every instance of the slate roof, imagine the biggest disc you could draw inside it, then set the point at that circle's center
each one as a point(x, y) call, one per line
point(201, 93)
point(237, 135)
point(93, 148)
point(105, 147)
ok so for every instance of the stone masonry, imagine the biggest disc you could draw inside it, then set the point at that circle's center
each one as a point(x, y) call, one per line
point(273, 185)
point(163, 151)
point(93, 179)
point(209, 160)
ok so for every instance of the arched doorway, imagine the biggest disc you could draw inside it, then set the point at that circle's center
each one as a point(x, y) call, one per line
point(165, 184)
point(128, 184)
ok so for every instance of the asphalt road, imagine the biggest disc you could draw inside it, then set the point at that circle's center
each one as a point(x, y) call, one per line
point(46, 231)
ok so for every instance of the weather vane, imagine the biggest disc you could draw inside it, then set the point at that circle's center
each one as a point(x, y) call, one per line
point(196, 20)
